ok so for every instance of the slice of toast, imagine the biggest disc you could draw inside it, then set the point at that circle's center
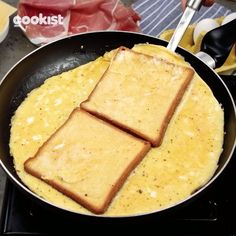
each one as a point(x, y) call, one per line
point(139, 93)
point(88, 160)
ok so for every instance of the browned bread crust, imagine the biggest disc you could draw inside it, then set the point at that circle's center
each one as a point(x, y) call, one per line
point(44, 168)
point(97, 102)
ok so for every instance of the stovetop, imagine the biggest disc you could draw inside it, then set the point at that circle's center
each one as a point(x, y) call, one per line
point(212, 213)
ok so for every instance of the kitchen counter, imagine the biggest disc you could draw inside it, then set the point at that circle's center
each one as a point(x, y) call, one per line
point(16, 46)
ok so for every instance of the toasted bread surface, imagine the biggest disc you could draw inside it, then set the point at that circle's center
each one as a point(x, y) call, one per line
point(88, 160)
point(139, 93)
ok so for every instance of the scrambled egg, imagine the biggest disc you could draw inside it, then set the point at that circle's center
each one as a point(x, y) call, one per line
point(185, 161)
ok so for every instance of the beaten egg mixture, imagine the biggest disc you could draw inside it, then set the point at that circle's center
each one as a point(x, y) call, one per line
point(185, 161)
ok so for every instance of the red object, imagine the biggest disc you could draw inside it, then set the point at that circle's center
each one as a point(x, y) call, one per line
point(89, 15)
point(78, 16)
point(58, 5)
point(43, 32)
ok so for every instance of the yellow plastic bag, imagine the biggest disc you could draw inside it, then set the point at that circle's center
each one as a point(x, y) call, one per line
point(188, 44)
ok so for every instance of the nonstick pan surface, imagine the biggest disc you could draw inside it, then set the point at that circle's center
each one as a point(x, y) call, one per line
point(71, 52)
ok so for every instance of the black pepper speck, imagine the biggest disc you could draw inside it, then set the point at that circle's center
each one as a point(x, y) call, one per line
point(140, 191)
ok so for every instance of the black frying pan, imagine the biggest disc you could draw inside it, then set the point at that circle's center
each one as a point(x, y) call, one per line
point(73, 51)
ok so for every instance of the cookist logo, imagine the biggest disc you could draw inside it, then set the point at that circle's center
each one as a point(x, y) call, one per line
point(38, 20)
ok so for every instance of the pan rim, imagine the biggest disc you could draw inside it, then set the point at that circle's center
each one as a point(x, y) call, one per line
point(210, 181)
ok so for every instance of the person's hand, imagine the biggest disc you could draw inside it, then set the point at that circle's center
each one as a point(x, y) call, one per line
point(206, 3)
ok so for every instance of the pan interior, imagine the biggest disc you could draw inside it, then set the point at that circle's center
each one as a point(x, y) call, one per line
point(33, 72)
point(50, 60)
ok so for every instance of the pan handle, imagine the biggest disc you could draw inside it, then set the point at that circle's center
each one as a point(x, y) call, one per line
point(192, 7)
point(217, 44)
